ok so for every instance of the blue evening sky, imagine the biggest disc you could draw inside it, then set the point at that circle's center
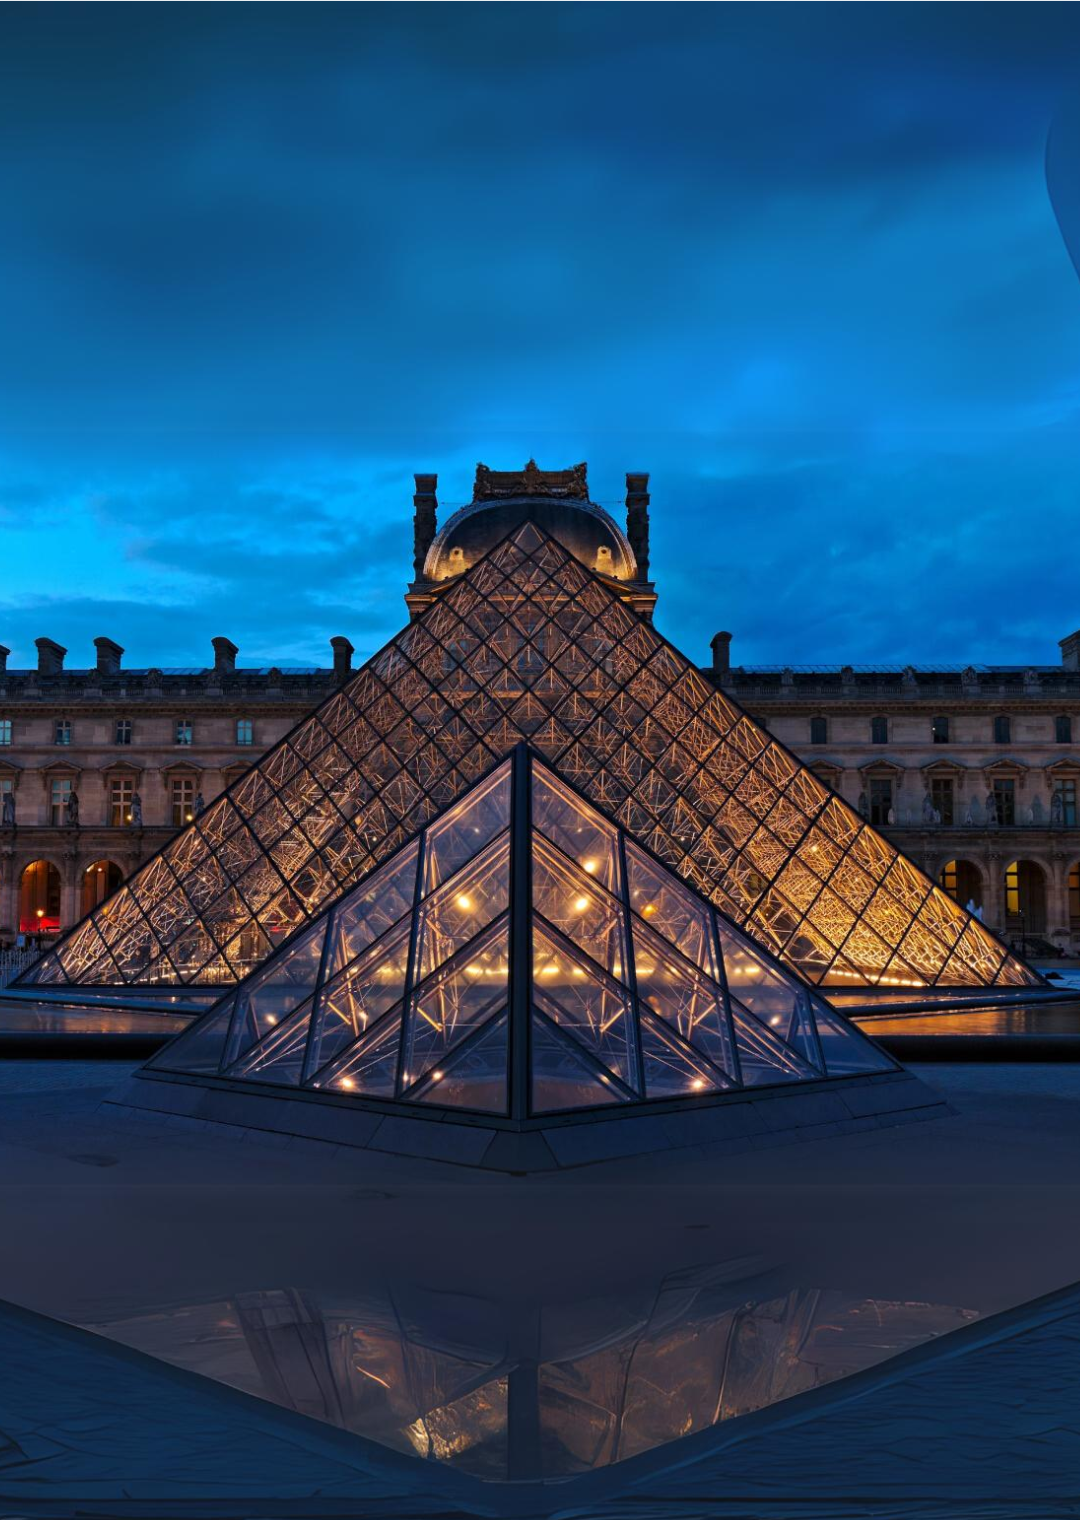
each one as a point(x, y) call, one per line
point(259, 263)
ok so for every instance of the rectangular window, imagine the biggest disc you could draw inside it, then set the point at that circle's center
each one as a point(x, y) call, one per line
point(62, 731)
point(183, 730)
point(1002, 730)
point(245, 731)
point(1005, 800)
point(819, 731)
point(121, 793)
point(939, 730)
point(879, 730)
point(881, 799)
point(941, 795)
point(183, 800)
point(1066, 790)
point(5, 730)
point(1062, 730)
point(123, 731)
point(59, 792)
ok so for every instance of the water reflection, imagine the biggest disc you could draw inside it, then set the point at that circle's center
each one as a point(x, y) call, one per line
point(1027, 1019)
point(540, 1393)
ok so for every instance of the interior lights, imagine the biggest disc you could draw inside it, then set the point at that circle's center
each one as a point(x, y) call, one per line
point(588, 866)
point(648, 910)
point(346, 1082)
point(581, 903)
point(463, 902)
point(698, 1083)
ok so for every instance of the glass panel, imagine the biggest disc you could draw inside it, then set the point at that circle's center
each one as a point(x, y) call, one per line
point(561, 1077)
point(474, 1079)
point(577, 829)
point(847, 1050)
point(678, 992)
point(199, 1049)
point(467, 828)
point(359, 996)
point(276, 990)
point(668, 908)
point(455, 1001)
point(763, 1058)
point(368, 1068)
point(759, 986)
point(462, 907)
point(796, 1029)
point(671, 1070)
point(594, 1011)
point(280, 1056)
point(574, 904)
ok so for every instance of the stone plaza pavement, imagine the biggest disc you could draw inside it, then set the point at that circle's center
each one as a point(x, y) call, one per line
point(982, 1211)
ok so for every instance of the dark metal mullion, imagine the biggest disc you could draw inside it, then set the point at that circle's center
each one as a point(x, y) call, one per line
point(667, 1031)
point(450, 1058)
point(320, 982)
point(630, 963)
point(410, 965)
point(520, 931)
point(718, 953)
point(599, 1069)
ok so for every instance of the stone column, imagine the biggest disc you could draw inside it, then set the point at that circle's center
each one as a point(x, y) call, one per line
point(71, 886)
point(9, 887)
point(994, 867)
point(1057, 896)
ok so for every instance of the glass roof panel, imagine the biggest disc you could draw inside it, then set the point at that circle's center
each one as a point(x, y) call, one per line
point(462, 906)
point(463, 994)
point(583, 911)
point(467, 828)
point(578, 830)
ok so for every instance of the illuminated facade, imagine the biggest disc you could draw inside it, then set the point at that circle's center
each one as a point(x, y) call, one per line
point(536, 642)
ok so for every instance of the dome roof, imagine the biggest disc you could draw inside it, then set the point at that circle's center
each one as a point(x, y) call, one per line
point(586, 530)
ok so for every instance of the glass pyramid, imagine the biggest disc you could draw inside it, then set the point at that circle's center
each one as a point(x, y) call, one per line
point(527, 645)
point(522, 957)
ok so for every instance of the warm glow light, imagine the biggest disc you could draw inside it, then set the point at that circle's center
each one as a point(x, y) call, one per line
point(41, 913)
point(436, 1076)
point(698, 1082)
point(589, 866)
point(581, 903)
point(648, 909)
point(346, 1082)
point(463, 902)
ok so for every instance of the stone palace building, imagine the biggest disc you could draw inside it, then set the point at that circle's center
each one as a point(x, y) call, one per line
point(972, 770)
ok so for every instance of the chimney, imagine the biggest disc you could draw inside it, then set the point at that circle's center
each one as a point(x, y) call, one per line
point(721, 653)
point(637, 521)
point(4, 652)
point(1070, 651)
point(343, 653)
point(425, 508)
point(109, 656)
point(50, 657)
point(225, 652)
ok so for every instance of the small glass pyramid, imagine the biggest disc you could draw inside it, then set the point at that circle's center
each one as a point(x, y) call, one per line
point(522, 957)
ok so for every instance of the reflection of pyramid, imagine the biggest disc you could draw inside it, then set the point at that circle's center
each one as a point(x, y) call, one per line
point(529, 645)
point(522, 957)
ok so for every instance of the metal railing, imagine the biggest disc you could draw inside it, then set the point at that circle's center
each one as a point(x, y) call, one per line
point(14, 961)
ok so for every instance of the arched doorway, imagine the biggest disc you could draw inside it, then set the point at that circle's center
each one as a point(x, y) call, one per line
point(99, 881)
point(39, 898)
point(1025, 897)
point(962, 880)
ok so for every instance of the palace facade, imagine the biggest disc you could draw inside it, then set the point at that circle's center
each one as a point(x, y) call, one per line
point(971, 770)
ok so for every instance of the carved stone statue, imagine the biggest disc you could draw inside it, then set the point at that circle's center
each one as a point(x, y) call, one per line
point(927, 808)
point(136, 811)
point(1057, 811)
point(200, 803)
point(863, 806)
point(991, 809)
point(9, 810)
point(71, 811)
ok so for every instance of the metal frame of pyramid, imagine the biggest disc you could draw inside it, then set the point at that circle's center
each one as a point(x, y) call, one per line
point(528, 645)
point(521, 958)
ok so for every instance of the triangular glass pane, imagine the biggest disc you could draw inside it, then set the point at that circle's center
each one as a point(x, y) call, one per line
point(671, 1070)
point(683, 997)
point(585, 912)
point(467, 828)
point(279, 1058)
point(765, 1059)
point(476, 1078)
point(847, 1051)
point(272, 994)
point(578, 830)
point(455, 1001)
point(798, 1030)
point(368, 1068)
point(562, 1079)
point(757, 982)
point(373, 907)
point(666, 906)
point(462, 906)
point(359, 996)
point(595, 1011)
point(200, 1048)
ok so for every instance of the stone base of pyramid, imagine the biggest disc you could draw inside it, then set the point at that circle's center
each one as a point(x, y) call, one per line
point(735, 1122)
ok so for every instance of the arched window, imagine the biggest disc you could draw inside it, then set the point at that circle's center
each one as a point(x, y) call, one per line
point(879, 730)
point(1002, 730)
point(1063, 729)
point(39, 898)
point(100, 880)
point(819, 731)
point(962, 881)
